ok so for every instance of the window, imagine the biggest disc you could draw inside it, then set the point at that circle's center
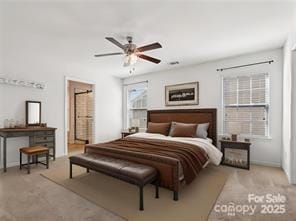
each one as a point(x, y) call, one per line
point(246, 105)
point(137, 105)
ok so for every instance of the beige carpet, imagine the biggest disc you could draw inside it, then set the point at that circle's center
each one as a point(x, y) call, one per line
point(195, 201)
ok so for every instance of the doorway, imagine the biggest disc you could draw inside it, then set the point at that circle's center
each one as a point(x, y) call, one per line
point(80, 116)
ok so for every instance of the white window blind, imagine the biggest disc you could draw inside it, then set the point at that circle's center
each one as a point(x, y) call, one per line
point(246, 104)
point(137, 105)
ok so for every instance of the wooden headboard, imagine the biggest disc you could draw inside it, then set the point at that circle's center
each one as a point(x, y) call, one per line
point(196, 116)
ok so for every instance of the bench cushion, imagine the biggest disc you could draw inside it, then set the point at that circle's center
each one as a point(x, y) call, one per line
point(134, 173)
point(34, 150)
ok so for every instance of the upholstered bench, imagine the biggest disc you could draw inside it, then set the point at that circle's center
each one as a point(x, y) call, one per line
point(34, 152)
point(127, 171)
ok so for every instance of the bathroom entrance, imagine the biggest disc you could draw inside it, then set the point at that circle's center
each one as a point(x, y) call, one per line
point(80, 115)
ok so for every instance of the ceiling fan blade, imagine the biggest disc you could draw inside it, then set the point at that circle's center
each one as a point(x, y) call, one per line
point(115, 42)
point(108, 54)
point(149, 47)
point(148, 58)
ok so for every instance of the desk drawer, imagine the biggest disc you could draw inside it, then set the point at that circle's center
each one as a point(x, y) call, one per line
point(44, 133)
point(48, 144)
point(18, 134)
point(41, 139)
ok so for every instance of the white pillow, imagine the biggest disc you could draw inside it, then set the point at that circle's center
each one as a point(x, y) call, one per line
point(202, 130)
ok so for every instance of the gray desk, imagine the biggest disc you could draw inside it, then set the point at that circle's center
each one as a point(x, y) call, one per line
point(44, 136)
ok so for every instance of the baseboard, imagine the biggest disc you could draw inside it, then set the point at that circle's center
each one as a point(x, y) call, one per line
point(288, 177)
point(268, 164)
point(13, 164)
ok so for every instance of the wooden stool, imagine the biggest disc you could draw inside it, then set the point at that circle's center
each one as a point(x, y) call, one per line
point(34, 152)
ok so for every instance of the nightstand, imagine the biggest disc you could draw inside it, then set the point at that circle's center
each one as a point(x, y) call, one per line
point(236, 153)
point(125, 133)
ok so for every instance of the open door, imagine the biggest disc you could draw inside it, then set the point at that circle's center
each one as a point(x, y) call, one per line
point(80, 116)
point(83, 116)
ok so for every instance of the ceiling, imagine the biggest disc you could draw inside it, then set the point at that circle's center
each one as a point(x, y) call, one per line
point(189, 31)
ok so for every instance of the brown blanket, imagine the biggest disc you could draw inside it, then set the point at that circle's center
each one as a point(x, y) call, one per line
point(156, 153)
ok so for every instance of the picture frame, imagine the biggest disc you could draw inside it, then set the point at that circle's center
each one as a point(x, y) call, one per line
point(182, 94)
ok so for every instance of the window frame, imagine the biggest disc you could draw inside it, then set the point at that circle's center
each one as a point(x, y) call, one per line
point(127, 88)
point(267, 104)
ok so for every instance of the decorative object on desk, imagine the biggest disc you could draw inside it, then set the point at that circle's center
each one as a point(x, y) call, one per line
point(226, 138)
point(128, 132)
point(43, 125)
point(247, 140)
point(135, 123)
point(133, 129)
point(11, 123)
point(22, 83)
point(20, 124)
point(33, 113)
point(6, 123)
point(234, 137)
point(182, 94)
point(234, 128)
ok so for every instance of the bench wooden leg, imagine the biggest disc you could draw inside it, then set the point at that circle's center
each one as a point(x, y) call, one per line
point(176, 195)
point(36, 159)
point(47, 160)
point(29, 163)
point(87, 170)
point(21, 162)
point(70, 170)
point(141, 198)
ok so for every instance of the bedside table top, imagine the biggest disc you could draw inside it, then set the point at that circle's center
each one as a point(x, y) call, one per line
point(234, 142)
point(127, 132)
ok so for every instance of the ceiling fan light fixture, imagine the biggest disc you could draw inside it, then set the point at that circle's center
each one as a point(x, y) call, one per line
point(131, 52)
point(133, 58)
point(130, 59)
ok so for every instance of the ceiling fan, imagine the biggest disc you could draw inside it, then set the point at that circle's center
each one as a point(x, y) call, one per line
point(132, 52)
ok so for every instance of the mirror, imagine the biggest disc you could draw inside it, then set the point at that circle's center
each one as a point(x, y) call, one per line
point(33, 113)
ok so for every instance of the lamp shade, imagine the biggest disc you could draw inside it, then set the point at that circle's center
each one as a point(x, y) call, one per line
point(234, 128)
point(135, 122)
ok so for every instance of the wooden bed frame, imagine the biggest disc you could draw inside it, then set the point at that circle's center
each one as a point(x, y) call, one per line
point(196, 116)
point(167, 166)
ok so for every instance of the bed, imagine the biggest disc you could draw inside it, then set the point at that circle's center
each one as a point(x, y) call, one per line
point(177, 159)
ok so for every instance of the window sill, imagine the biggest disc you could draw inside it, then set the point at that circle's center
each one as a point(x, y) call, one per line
point(140, 108)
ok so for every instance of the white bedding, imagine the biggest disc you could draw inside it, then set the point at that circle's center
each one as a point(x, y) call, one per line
point(213, 152)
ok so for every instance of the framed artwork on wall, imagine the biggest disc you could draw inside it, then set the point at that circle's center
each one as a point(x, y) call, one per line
point(182, 94)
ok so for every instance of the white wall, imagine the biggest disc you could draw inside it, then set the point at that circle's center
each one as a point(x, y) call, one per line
point(287, 108)
point(293, 135)
point(263, 151)
point(289, 105)
point(293, 147)
point(107, 107)
point(42, 58)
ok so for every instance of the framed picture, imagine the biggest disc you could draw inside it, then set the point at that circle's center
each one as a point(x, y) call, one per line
point(182, 94)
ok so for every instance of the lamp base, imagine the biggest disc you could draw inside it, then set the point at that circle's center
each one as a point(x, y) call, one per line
point(234, 137)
